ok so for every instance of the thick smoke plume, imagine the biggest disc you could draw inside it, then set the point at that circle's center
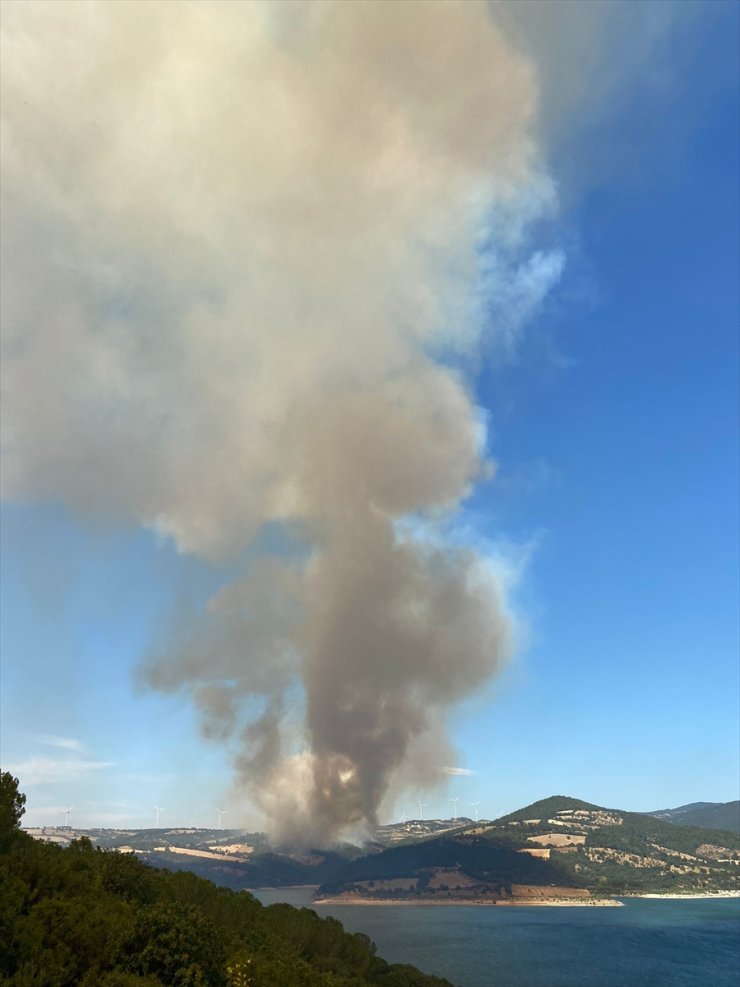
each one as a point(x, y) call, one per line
point(247, 246)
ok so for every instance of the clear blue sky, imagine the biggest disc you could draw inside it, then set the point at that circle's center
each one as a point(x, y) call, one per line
point(615, 431)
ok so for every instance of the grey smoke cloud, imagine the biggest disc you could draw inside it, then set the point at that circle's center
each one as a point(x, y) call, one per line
point(242, 261)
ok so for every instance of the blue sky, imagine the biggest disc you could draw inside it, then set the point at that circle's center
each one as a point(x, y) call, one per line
point(614, 427)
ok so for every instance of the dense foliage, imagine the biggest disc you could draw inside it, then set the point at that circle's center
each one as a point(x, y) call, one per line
point(94, 918)
point(12, 803)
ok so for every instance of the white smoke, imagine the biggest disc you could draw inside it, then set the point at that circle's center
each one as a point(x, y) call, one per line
point(242, 260)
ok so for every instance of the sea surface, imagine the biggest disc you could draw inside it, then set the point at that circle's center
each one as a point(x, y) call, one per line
point(646, 943)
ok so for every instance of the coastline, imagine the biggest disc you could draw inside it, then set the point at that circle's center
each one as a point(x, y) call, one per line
point(615, 902)
point(284, 887)
point(478, 902)
point(689, 896)
point(517, 902)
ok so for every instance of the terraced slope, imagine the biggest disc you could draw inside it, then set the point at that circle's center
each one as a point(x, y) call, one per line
point(558, 847)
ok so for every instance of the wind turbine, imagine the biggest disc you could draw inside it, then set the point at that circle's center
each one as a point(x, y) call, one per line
point(221, 814)
point(454, 808)
point(68, 813)
point(421, 809)
point(156, 820)
point(475, 806)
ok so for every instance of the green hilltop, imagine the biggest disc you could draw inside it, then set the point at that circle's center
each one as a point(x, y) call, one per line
point(546, 807)
point(559, 847)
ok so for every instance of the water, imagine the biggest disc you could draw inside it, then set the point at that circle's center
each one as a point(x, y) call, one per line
point(647, 943)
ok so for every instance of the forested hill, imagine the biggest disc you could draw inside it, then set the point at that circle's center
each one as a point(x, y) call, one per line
point(547, 807)
point(707, 815)
point(557, 847)
point(95, 918)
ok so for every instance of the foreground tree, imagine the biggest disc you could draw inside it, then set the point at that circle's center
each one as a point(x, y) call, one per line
point(12, 802)
point(91, 918)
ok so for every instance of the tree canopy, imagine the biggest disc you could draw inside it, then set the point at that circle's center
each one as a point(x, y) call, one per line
point(94, 918)
point(12, 802)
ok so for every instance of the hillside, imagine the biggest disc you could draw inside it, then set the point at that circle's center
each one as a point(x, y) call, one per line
point(237, 859)
point(707, 815)
point(96, 918)
point(231, 858)
point(557, 847)
point(547, 807)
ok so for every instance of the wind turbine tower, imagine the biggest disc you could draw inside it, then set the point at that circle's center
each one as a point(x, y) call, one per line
point(156, 818)
point(454, 808)
point(68, 813)
point(475, 806)
point(421, 810)
point(221, 814)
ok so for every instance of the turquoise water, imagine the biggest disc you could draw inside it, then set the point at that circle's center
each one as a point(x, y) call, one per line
point(647, 943)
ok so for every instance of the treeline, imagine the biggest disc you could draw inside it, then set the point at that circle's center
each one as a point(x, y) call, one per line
point(94, 918)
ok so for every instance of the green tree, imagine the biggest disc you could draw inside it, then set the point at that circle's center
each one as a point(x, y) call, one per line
point(84, 917)
point(177, 944)
point(12, 803)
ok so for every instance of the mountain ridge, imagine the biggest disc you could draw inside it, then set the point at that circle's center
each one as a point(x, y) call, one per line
point(707, 815)
point(558, 847)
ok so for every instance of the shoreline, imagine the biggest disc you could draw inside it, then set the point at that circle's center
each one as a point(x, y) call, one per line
point(674, 896)
point(616, 901)
point(611, 902)
point(479, 902)
point(284, 887)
